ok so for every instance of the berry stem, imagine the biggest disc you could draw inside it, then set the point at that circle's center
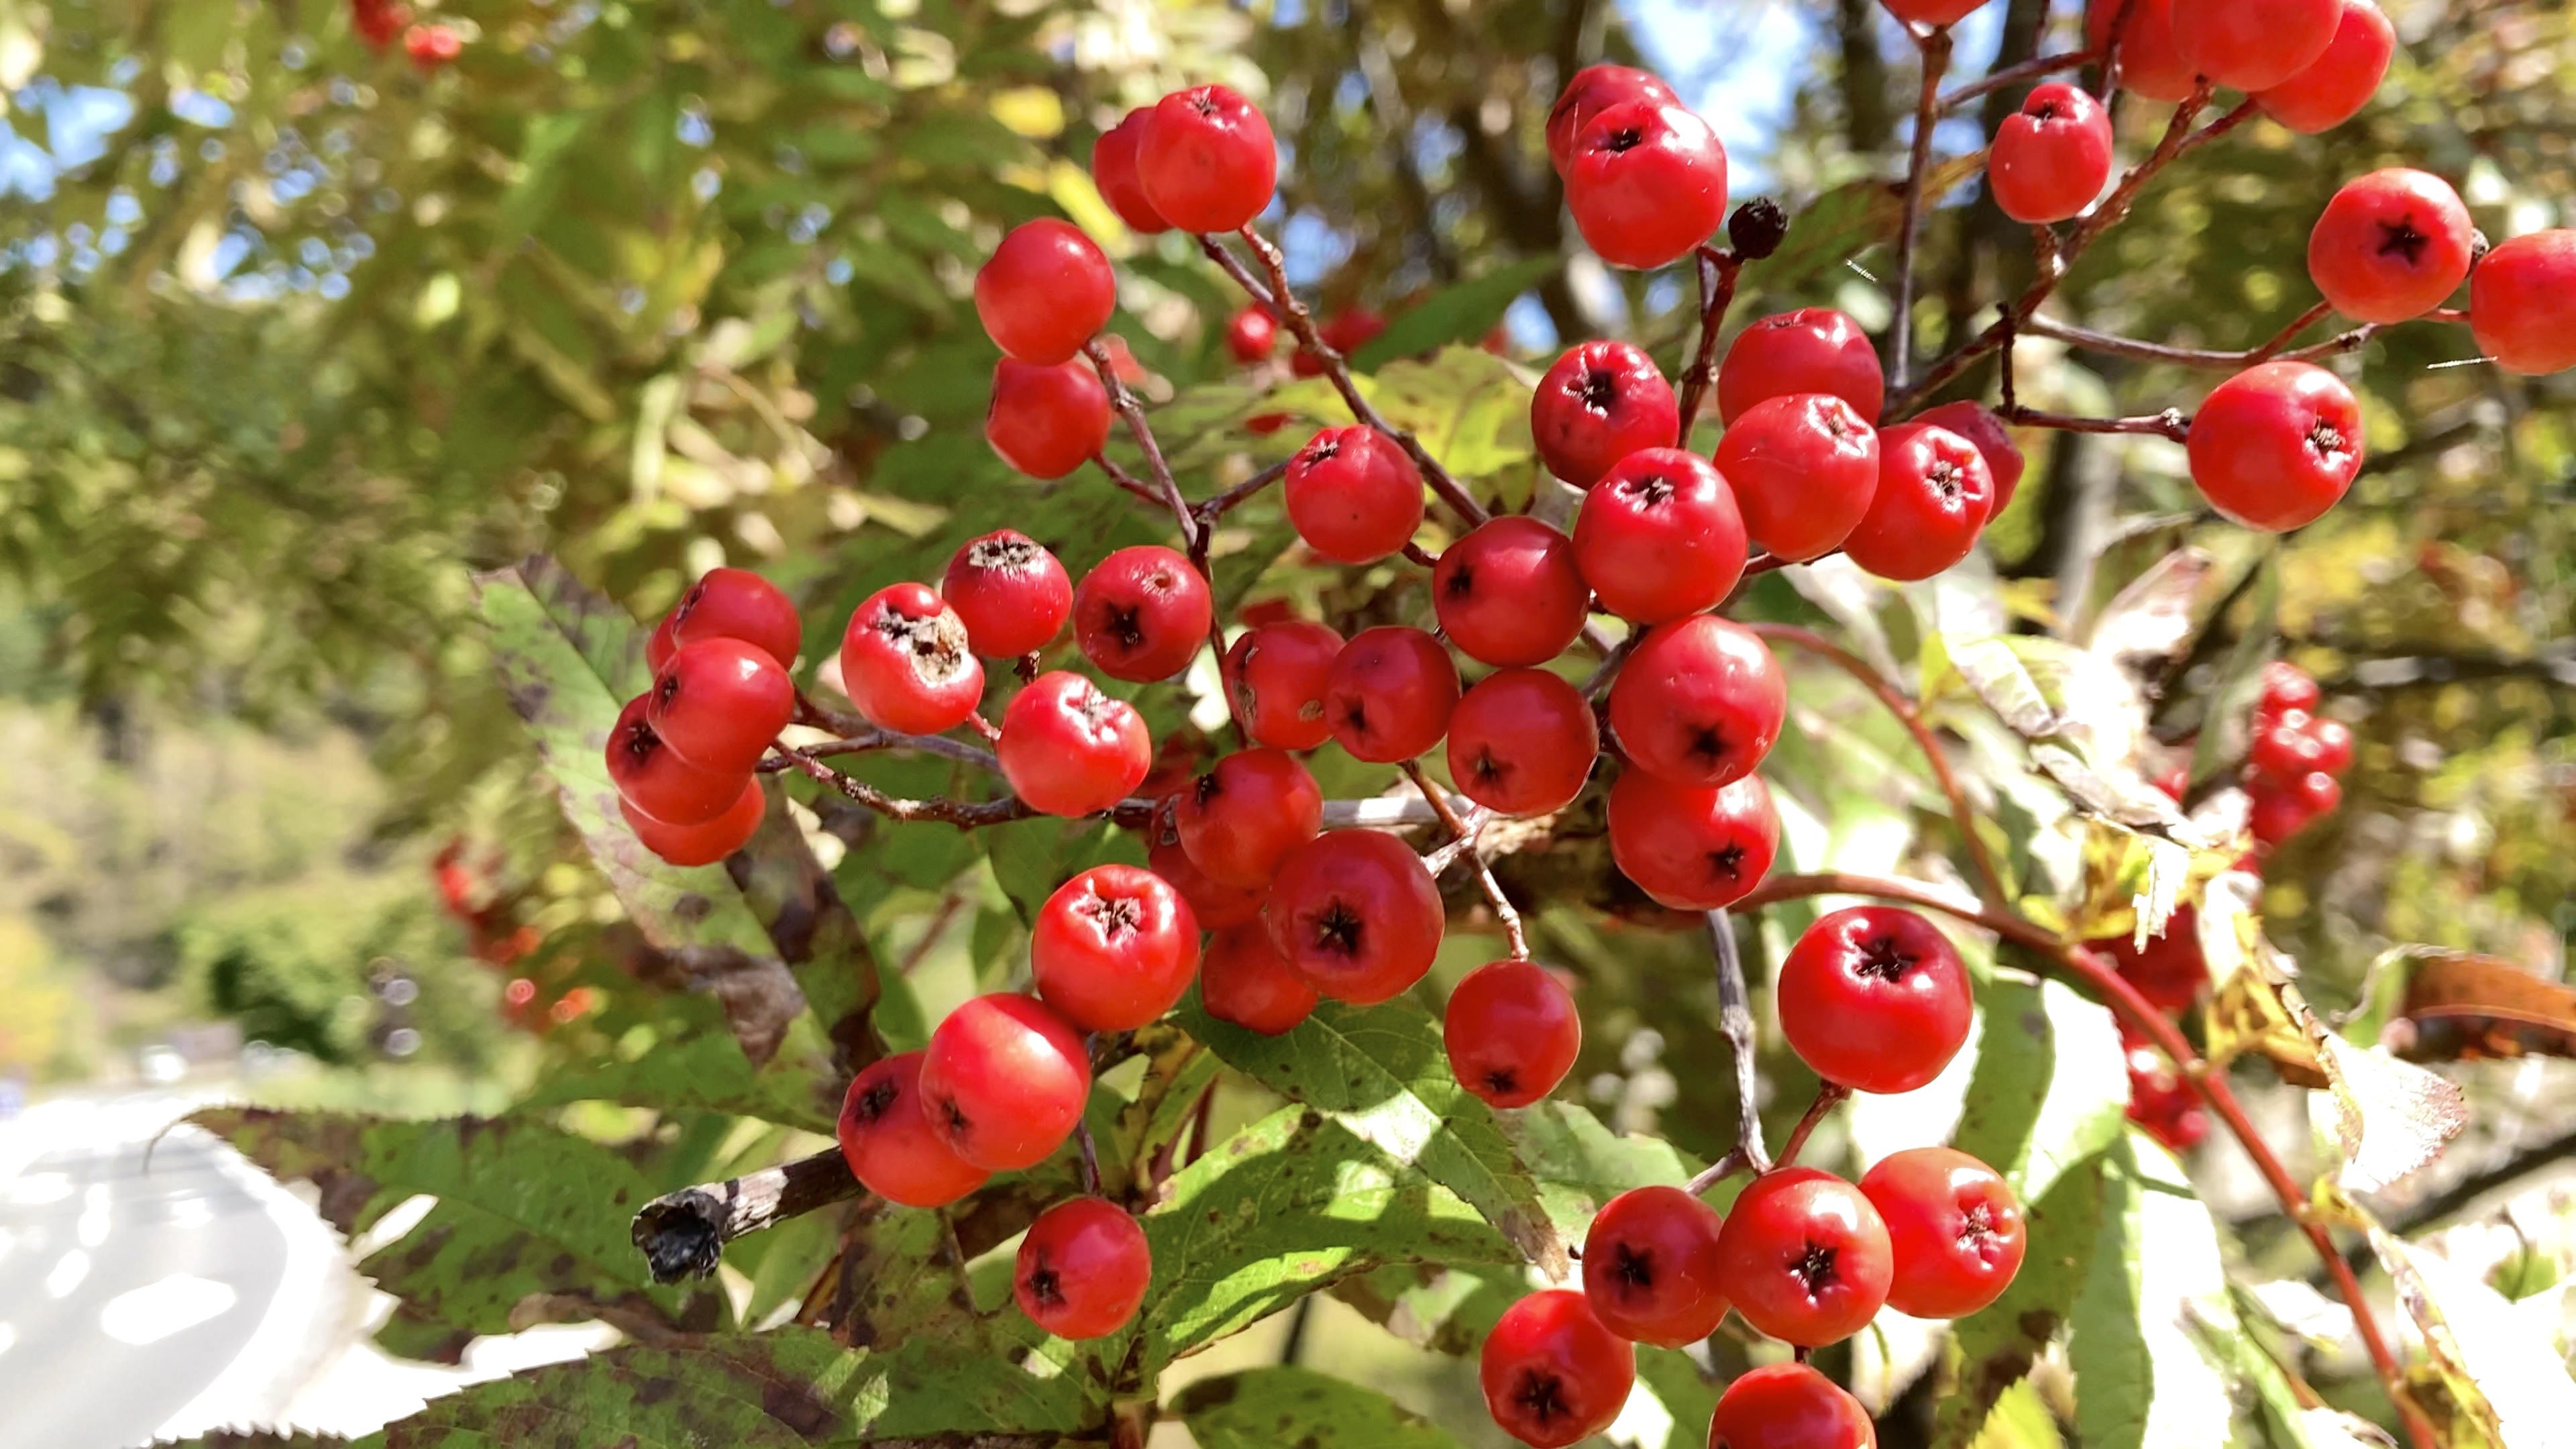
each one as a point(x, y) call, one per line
point(1717, 274)
point(2171, 423)
point(1133, 414)
point(2278, 348)
point(2246, 110)
point(1215, 508)
point(1127, 480)
point(1463, 835)
point(1935, 50)
point(1829, 1095)
point(1735, 1022)
point(1090, 1157)
point(866, 741)
point(2028, 70)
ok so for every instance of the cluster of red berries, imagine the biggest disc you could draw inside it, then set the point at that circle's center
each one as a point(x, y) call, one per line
point(380, 22)
point(1873, 999)
point(2295, 761)
point(682, 753)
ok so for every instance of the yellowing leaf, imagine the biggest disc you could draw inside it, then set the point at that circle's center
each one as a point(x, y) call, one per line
point(1033, 111)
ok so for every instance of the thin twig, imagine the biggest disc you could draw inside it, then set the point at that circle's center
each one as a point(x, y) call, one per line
point(1829, 1095)
point(870, 741)
point(1090, 1157)
point(2171, 423)
point(1718, 271)
point(1608, 672)
point(1935, 48)
point(1735, 1021)
point(2277, 349)
point(2031, 69)
point(2111, 48)
point(1463, 833)
point(1222, 504)
point(2246, 110)
point(1127, 480)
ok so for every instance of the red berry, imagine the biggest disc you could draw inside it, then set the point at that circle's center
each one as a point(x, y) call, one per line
point(2277, 445)
point(1275, 676)
point(1978, 424)
point(1933, 12)
point(2276, 813)
point(1647, 183)
point(652, 777)
point(1804, 1257)
point(1789, 1406)
point(2283, 747)
point(1595, 89)
point(1046, 421)
point(1509, 592)
point(2150, 64)
point(1244, 981)
point(730, 604)
point(1955, 1228)
point(1082, 1269)
point(2522, 303)
point(1207, 159)
point(1650, 1267)
point(1142, 614)
point(906, 663)
point(1522, 742)
point(1390, 694)
point(2332, 739)
point(1353, 495)
point(1874, 998)
point(2320, 793)
point(1251, 335)
point(1242, 818)
point(1512, 1033)
point(1599, 403)
point(1660, 536)
point(1811, 350)
point(1004, 1081)
point(1113, 948)
point(378, 22)
point(431, 46)
point(1045, 290)
point(704, 844)
point(1355, 913)
point(1803, 468)
point(1012, 595)
point(2287, 687)
point(1217, 907)
point(1552, 1374)
point(2253, 45)
point(1113, 171)
point(1700, 703)
point(718, 704)
point(2170, 972)
point(1068, 749)
point(2051, 158)
point(2160, 1102)
point(2335, 88)
point(1934, 497)
point(2392, 245)
point(887, 1139)
point(1690, 849)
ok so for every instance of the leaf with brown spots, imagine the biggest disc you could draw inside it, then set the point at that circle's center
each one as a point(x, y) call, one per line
point(1273, 1408)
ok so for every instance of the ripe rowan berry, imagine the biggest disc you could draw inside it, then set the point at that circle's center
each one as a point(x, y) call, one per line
point(1522, 742)
point(1512, 1033)
point(1592, 90)
point(1207, 159)
point(2332, 742)
point(1933, 12)
point(1251, 335)
point(1934, 497)
point(2340, 82)
point(1647, 183)
point(1650, 1267)
point(1004, 1080)
point(906, 662)
point(1804, 1257)
point(1082, 1269)
point(1113, 948)
point(1243, 980)
point(2284, 747)
point(1659, 536)
point(1874, 998)
point(2052, 157)
point(1552, 1375)
point(2253, 45)
point(1353, 495)
point(652, 777)
point(1978, 424)
point(1693, 849)
point(1012, 595)
point(1142, 614)
point(2287, 687)
point(2276, 446)
point(2390, 246)
point(1789, 1406)
point(2169, 971)
point(1700, 703)
point(1044, 291)
point(1113, 171)
point(1954, 1226)
point(718, 704)
point(887, 1139)
point(2163, 1104)
point(1068, 749)
point(1243, 817)
point(1811, 350)
point(2149, 64)
point(1355, 913)
point(2275, 813)
point(1046, 421)
point(1509, 592)
point(1599, 403)
point(1804, 468)
point(730, 604)
point(688, 845)
point(1217, 907)
point(1275, 678)
point(2522, 303)
point(1390, 694)
point(432, 46)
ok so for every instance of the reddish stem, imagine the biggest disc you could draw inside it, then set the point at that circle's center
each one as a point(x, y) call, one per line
point(2167, 424)
point(1717, 275)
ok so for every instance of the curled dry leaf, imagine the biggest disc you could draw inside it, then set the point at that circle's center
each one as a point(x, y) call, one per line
point(2463, 1007)
point(2497, 1378)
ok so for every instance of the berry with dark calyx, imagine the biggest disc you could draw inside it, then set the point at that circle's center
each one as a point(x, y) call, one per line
point(1113, 948)
point(1592, 90)
point(1012, 595)
point(1243, 980)
point(1552, 1374)
point(906, 662)
point(730, 604)
point(1353, 494)
point(1509, 592)
point(2391, 246)
point(1082, 1269)
point(1690, 849)
point(1993, 441)
point(1522, 742)
point(2340, 82)
point(1955, 1226)
point(1046, 421)
point(1512, 1033)
point(1275, 678)
point(1647, 184)
point(1700, 703)
point(2253, 45)
point(2276, 446)
point(2287, 687)
point(1355, 913)
point(1251, 335)
point(704, 844)
point(1660, 537)
point(1113, 171)
point(652, 777)
point(1874, 998)
point(1390, 694)
point(1243, 817)
point(1142, 614)
point(1599, 403)
point(1934, 497)
point(1044, 291)
point(2522, 303)
point(1789, 1406)
point(1068, 749)
point(2169, 971)
point(1804, 1257)
point(1814, 349)
point(1216, 906)
point(887, 1139)
point(1803, 468)
point(1757, 228)
point(1207, 159)
point(719, 703)
point(1003, 1081)
point(1650, 1267)
point(2150, 65)
point(2052, 157)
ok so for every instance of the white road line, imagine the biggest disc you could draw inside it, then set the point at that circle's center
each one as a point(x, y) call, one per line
point(93, 1218)
point(155, 1311)
point(67, 1274)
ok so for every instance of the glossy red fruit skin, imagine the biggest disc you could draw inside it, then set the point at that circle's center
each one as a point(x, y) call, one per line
point(1659, 536)
point(1522, 742)
point(1552, 1375)
point(1650, 1267)
point(1355, 913)
point(1814, 349)
point(2332, 740)
point(1592, 90)
point(1243, 817)
point(1933, 12)
point(1390, 694)
point(1082, 1269)
point(1599, 403)
point(1978, 424)
point(2320, 793)
point(1353, 495)
point(2391, 245)
point(887, 1139)
point(1512, 1033)
point(1251, 335)
point(2052, 157)
point(2335, 88)
point(1275, 677)
point(1804, 468)
point(1003, 1081)
point(2287, 687)
point(730, 604)
point(1012, 594)
point(1874, 998)
point(1509, 592)
point(652, 777)
point(2276, 446)
point(1113, 948)
point(2253, 45)
point(1804, 1257)
point(1700, 703)
point(1207, 159)
point(1933, 500)
point(2277, 813)
point(1217, 907)
point(718, 703)
point(1068, 749)
point(2149, 63)
point(2522, 303)
point(1955, 1226)
point(688, 845)
point(1142, 614)
point(1647, 184)
point(1046, 421)
point(2284, 747)
point(907, 663)
point(1044, 291)
point(1789, 1406)
point(2162, 1104)
point(1693, 850)
point(1113, 171)
point(2170, 972)
point(1242, 980)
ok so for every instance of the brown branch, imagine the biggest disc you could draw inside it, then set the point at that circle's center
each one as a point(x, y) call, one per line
point(683, 1234)
point(2171, 423)
point(1133, 413)
point(1735, 1022)
point(1215, 508)
point(2010, 76)
point(1126, 480)
point(1463, 834)
point(1717, 275)
point(964, 814)
point(1935, 49)
point(1829, 1095)
point(868, 741)
point(2278, 348)
point(2246, 110)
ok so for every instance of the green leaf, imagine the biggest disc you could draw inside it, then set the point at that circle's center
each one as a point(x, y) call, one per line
point(1266, 1408)
point(707, 1073)
point(254, 1439)
point(1462, 313)
point(1996, 1347)
point(2141, 1375)
point(1469, 408)
point(2051, 1083)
